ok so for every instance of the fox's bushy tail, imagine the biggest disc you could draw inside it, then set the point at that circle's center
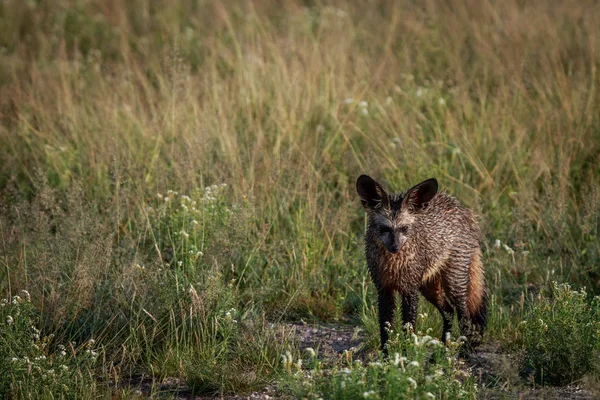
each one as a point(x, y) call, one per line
point(477, 299)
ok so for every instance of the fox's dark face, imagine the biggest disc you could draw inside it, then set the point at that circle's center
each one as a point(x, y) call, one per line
point(393, 216)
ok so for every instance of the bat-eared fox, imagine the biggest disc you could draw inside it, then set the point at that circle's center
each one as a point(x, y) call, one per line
point(424, 241)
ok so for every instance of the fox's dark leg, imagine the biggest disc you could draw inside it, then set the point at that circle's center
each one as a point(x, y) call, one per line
point(387, 306)
point(434, 293)
point(410, 304)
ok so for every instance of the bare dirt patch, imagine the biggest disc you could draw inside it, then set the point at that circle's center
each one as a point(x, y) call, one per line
point(495, 370)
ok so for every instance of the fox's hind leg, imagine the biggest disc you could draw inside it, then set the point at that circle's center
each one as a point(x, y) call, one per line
point(458, 286)
point(433, 291)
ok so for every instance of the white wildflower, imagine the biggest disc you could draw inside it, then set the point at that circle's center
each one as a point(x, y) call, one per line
point(26, 295)
point(346, 371)
point(194, 222)
point(349, 100)
point(363, 104)
point(399, 360)
point(497, 243)
point(365, 111)
point(311, 352)
point(508, 249)
point(413, 364)
point(419, 92)
point(14, 359)
point(415, 339)
point(184, 234)
point(9, 320)
point(369, 394)
point(179, 263)
point(441, 101)
point(412, 382)
point(424, 340)
point(429, 395)
point(389, 100)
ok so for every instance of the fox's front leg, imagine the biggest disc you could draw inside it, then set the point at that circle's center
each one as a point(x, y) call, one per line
point(410, 305)
point(387, 305)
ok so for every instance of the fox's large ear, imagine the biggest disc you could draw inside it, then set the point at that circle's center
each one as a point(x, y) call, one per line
point(418, 196)
point(371, 193)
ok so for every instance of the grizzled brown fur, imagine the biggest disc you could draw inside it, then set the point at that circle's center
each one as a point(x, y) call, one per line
point(424, 241)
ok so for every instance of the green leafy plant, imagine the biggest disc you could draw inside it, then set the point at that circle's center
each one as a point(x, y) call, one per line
point(561, 336)
point(32, 366)
point(419, 366)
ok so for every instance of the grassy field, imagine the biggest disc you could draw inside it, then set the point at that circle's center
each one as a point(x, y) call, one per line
point(177, 185)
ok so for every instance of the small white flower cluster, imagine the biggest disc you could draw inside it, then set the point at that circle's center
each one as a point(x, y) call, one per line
point(31, 356)
point(93, 354)
point(287, 360)
point(168, 197)
point(363, 106)
point(211, 192)
point(509, 250)
point(412, 382)
point(229, 315)
point(186, 202)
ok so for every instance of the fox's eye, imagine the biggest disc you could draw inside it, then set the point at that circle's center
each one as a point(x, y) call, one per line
point(403, 230)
